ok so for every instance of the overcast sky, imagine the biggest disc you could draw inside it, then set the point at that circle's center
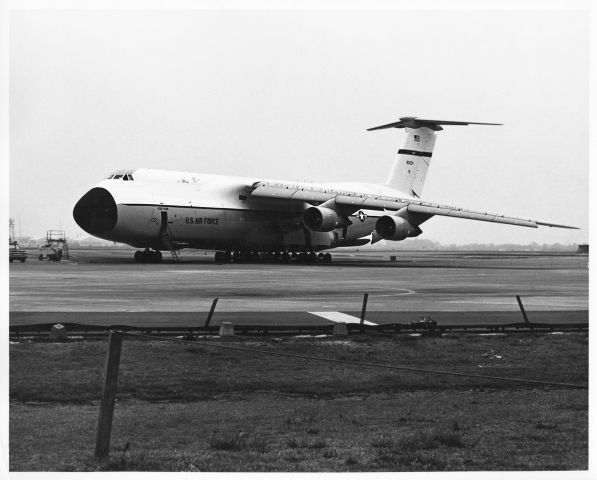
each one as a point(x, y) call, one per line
point(289, 95)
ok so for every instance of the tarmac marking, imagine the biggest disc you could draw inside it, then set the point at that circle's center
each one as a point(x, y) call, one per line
point(340, 317)
point(404, 291)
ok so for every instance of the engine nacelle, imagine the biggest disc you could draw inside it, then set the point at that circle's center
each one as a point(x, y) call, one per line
point(322, 219)
point(391, 227)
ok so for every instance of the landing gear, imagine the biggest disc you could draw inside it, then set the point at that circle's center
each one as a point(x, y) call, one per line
point(223, 257)
point(271, 256)
point(148, 256)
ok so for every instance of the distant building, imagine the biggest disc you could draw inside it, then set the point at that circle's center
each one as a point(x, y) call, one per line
point(583, 248)
point(27, 242)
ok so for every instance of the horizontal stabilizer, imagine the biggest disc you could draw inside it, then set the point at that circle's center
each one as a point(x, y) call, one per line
point(414, 122)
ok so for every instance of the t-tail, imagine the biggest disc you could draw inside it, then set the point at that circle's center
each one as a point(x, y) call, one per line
point(414, 156)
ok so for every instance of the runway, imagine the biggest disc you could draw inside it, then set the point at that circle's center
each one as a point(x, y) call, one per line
point(103, 285)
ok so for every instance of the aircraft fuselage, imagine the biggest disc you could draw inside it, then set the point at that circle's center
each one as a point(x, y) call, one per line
point(208, 212)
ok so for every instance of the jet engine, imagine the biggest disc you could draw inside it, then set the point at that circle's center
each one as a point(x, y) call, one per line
point(323, 219)
point(392, 227)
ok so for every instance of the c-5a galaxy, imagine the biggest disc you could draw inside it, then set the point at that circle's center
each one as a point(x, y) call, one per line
point(251, 219)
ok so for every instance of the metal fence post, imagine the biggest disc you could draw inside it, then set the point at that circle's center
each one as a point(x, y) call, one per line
point(364, 311)
point(524, 314)
point(104, 428)
point(211, 312)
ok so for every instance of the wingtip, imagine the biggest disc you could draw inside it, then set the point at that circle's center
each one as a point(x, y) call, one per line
point(555, 225)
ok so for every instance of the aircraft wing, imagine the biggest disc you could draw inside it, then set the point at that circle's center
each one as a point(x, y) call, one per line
point(354, 201)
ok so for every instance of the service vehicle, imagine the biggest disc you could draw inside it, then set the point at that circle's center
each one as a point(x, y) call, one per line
point(15, 252)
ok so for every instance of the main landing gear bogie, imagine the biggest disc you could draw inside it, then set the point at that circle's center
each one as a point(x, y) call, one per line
point(148, 256)
point(272, 257)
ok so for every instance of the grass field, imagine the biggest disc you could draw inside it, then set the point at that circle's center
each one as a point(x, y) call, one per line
point(198, 408)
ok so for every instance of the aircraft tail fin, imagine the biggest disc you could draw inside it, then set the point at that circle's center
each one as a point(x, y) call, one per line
point(414, 156)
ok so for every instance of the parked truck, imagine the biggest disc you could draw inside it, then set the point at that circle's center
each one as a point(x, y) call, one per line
point(15, 252)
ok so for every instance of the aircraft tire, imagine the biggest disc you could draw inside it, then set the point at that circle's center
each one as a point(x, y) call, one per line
point(327, 258)
point(156, 257)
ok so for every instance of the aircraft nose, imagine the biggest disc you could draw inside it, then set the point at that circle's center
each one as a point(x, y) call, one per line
point(96, 211)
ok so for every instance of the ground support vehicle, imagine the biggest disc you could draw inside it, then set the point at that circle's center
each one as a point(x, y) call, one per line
point(15, 252)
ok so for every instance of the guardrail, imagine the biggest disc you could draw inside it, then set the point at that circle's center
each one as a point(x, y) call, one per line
point(74, 330)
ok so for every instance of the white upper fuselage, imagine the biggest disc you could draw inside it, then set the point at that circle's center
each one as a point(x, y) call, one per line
point(208, 190)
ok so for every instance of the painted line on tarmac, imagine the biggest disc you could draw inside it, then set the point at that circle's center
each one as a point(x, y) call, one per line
point(400, 293)
point(340, 317)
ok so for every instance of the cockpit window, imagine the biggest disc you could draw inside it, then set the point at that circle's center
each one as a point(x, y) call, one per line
point(120, 176)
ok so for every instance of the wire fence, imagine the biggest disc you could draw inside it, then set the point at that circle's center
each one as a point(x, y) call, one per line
point(354, 363)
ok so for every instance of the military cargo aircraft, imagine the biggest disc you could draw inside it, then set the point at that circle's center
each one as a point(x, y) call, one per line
point(253, 219)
